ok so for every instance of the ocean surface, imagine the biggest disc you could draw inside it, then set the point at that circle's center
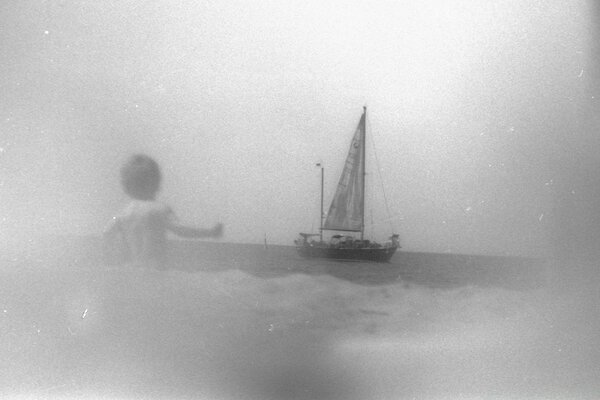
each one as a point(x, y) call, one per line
point(232, 321)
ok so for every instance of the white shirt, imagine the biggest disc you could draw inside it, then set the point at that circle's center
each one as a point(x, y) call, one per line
point(143, 227)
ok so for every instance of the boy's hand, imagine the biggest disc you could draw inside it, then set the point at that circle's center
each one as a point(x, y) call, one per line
point(217, 231)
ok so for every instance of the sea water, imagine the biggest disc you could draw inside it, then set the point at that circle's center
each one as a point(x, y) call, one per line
point(234, 321)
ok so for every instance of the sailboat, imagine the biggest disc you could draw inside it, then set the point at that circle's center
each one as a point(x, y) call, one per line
point(347, 213)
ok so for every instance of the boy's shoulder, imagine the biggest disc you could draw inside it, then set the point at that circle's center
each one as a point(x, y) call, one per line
point(146, 207)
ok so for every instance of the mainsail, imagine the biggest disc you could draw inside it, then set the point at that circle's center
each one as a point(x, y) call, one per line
point(346, 212)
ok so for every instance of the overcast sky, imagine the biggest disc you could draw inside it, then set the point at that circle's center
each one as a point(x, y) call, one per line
point(483, 115)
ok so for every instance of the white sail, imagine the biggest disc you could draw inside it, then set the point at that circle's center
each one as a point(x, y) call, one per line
point(346, 212)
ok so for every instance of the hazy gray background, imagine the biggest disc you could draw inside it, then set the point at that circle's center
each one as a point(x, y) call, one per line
point(484, 115)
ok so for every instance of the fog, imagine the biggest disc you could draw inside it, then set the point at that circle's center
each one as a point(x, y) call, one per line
point(483, 116)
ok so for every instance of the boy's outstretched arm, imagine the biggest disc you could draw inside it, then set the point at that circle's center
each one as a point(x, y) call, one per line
point(192, 232)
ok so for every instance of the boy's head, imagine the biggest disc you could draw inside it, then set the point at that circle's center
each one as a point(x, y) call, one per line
point(140, 177)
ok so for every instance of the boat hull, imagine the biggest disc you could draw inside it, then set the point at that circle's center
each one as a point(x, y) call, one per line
point(378, 254)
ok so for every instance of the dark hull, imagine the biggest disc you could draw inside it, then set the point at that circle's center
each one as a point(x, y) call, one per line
point(379, 254)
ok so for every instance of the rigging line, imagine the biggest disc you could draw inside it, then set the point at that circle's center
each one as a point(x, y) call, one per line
point(387, 208)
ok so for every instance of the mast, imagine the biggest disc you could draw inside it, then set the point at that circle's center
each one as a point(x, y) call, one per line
point(364, 171)
point(321, 215)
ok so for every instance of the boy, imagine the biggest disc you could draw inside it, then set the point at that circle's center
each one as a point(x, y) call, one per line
point(139, 233)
